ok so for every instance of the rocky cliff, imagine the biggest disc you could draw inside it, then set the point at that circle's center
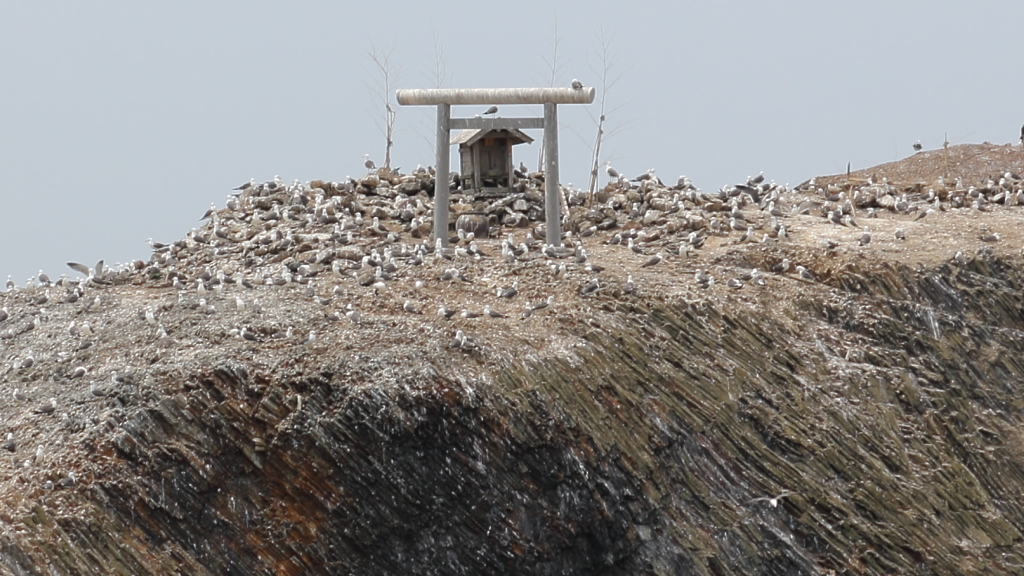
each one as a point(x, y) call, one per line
point(280, 393)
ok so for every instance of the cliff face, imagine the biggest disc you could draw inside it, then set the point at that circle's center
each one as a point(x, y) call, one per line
point(863, 421)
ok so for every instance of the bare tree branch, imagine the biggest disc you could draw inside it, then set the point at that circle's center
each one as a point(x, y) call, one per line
point(440, 72)
point(437, 75)
point(554, 68)
point(385, 76)
point(605, 69)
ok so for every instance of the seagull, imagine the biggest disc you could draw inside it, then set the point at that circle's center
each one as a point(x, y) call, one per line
point(491, 110)
point(210, 212)
point(590, 288)
point(612, 172)
point(654, 260)
point(989, 237)
point(81, 268)
point(541, 305)
point(493, 313)
point(408, 307)
point(470, 314)
point(4, 314)
point(47, 408)
point(705, 280)
point(459, 340)
point(509, 292)
point(20, 396)
point(446, 312)
point(9, 444)
point(865, 238)
point(353, 315)
point(804, 273)
point(577, 85)
point(629, 287)
point(249, 335)
point(900, 234)
point(78, 372)
point(1022, 134)
point(917, 146)
point(247, 185)
point(368, 163)
point(67, 481)
point(27, 363)
point(734, 283)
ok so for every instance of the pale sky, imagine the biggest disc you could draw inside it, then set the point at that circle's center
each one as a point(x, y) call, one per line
point(121, 121)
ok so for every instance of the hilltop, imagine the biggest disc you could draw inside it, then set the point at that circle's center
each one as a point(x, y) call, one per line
point(276, 392)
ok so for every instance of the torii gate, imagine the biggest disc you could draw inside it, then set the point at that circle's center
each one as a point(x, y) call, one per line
point(444, 98)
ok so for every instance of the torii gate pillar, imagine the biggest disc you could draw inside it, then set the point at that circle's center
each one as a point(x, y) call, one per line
point(549, 97)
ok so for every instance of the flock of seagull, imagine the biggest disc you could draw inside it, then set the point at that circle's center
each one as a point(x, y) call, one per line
point(360, 249)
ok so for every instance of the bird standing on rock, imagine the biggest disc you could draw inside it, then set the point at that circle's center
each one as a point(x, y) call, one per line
point(47, 408)
point(459, 340)
point(509, 292)
point(917, 146)
point(704, 280)
point(590, 288)
point(736, 225)
point(491, 111)
point(653, 261)
point(805, 273)
point(368, 163)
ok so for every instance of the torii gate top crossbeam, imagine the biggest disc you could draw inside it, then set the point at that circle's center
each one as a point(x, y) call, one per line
point(479, 96)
